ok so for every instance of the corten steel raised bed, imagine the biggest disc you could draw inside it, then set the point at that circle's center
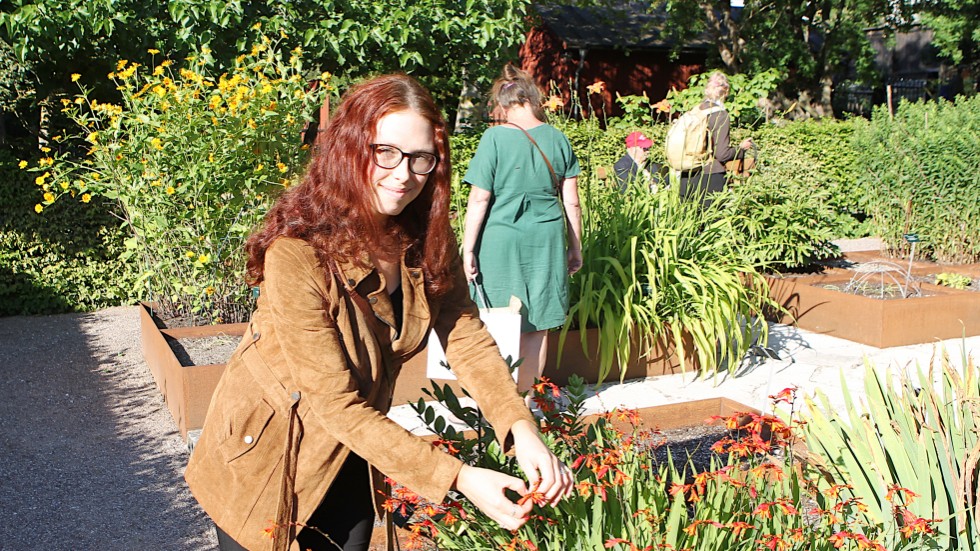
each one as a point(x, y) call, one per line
point(186, 389)
point(574, 361)
point(882, 323)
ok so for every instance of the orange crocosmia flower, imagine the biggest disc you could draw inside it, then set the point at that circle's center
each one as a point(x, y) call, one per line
point(738, 528)
point(596, 87)
point(895, 489)
point(785, 395)
point(912, 524)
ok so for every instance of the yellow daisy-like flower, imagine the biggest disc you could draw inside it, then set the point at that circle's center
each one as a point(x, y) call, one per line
point(170, 190)
point(282, 167)
point(204, 259)
point(75, 77)
point(86, 197)
point(596, 87)
point(38, 208)
point(257, 26)
point(22, 165)
point(157, 143)
point(93, 137)
point(39, 181)
point(260, 167)
point(191, 254)
point(49, 197)
point(209, 291)
point(153, 51)
point(64, 185)
point(156, 183)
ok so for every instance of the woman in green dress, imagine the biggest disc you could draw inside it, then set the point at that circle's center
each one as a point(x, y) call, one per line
point(523, 224)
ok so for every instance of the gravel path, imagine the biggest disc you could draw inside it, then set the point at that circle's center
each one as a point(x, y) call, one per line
point(90, 457)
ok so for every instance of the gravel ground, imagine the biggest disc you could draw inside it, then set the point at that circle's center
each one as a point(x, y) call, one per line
point(90, 457)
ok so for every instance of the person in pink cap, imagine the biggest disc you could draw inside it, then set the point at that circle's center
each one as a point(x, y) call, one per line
point(634, 165)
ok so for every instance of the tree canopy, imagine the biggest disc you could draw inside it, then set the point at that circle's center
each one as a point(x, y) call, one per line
point(437, 41)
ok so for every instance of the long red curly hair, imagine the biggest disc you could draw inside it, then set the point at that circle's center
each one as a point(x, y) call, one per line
point(332, 208)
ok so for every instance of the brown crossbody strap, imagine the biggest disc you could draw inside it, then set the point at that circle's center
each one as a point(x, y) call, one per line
point(554, 177)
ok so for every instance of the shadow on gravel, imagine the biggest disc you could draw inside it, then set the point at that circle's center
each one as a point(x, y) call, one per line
point(89, 455)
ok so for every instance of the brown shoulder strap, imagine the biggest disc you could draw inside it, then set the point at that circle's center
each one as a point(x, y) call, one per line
point(554, 177)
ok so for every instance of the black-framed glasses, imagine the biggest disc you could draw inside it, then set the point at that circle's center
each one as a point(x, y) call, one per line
point(389, 157)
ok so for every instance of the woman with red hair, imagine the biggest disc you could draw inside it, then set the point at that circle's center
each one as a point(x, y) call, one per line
point(354, 267)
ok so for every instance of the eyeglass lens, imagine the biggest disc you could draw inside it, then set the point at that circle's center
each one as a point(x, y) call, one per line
point(389, 156)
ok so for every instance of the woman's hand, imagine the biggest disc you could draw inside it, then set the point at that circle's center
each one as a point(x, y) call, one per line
point(574, 260)
point(470, 267)
point(548, 476)
point(485, 488)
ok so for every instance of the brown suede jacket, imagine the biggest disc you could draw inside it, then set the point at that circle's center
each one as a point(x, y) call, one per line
point(312, 381)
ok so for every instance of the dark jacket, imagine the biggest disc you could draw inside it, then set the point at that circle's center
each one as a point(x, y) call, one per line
point(719, 131)
point(626, 169)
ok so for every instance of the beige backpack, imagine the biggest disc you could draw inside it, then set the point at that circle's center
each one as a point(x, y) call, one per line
point(687, 143)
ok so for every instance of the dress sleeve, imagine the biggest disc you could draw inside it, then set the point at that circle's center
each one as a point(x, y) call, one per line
point(314, 356)
point(483, 166)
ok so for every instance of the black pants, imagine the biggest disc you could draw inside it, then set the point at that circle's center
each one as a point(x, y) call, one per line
point(700, 186)
point(345, 516)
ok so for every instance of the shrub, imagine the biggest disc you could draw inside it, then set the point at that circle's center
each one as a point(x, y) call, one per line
point(63, 262)
point(920, 173)
point(194, 160)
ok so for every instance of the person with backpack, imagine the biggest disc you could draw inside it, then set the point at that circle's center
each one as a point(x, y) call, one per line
point(699, 144)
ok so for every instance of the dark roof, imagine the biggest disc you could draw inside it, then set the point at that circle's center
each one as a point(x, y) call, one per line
point(628, 26)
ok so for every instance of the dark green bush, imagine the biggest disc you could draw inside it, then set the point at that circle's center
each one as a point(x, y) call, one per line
point(920, 173)
point(64, 259)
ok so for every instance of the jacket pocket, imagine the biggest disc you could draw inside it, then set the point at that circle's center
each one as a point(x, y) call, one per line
point(246, 425)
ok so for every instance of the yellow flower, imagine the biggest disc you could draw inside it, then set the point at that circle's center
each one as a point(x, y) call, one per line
point(158, 71)
point(22, 165)
point(45, 149)
point(166, 63)
point(86, 197)
point(209, 291)
point(204, 259)
point(170, 190)
point(596, 87)
point(75, 77)
point(282, 167)
point(64, 185)
point(38, 208)
point(45, 161)
point(157, 143)
point(156, 183)
point(40, 179)
point(257, 26)
point(49, 197)
point(122, 63)
point(553, 103)
point(190, 254)
point(259, 168)
point(153, 51)
point(93, 137)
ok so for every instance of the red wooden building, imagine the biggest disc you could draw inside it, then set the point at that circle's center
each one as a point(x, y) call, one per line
point(572, 47)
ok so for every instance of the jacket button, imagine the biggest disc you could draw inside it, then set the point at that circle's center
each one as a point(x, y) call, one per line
point(248, 439)
point(351, 282)
point(373, 300)
point(416, 274)
point(255, 336)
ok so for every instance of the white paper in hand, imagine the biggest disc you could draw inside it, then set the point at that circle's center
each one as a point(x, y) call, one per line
point(504, 325)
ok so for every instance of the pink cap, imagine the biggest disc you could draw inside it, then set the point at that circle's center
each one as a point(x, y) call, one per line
point(637, 139)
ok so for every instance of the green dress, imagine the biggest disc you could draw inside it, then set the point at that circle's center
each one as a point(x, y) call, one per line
point(521, 248)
